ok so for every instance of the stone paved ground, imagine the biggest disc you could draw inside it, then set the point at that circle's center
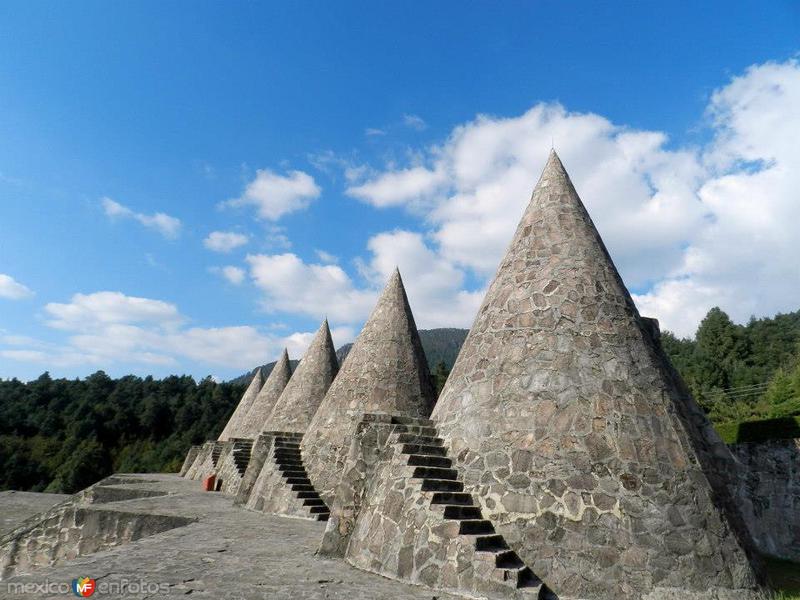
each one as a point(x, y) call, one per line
point(15, 507)
point(230, 554)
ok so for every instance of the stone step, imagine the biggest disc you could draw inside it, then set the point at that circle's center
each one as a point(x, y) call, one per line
point(295, 474)
point(287, 443)
point(401, 420)
point(414, 429)
point(298, 480)
point(490, 543)
point(313, 502)
point(459, 498)
point(282, 460)
point(323, 517)
point(303, 487)
point(284, 468)
point(441, 485)
point(528, 579)
point(508, 560)
point(475, 527)
point(422, 440)
point(424, 450)
point(282, 455)
point(418, 460)
point(462, 513)
point(319, 510)
point(434, 473)
point(308, 495)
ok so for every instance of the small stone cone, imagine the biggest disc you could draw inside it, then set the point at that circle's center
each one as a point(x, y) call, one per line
point(243, 407)
point(273, 387)
point(571, 428)
point(385, 371)
point(303, 394)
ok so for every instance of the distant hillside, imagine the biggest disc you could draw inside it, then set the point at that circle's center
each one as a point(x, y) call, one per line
point(439, 345)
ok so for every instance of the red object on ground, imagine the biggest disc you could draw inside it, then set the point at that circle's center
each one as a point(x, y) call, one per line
point(208, 483)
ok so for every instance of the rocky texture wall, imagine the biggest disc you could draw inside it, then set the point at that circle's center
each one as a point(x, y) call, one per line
point(232, 465)
point(767, 488)
point(310, 382)
point(240, 412)
point(397, 515)
point(569, 427)
point(191, 456)
point(75, 527)
point(386, 371)
point(258, 455)
point(254, 421)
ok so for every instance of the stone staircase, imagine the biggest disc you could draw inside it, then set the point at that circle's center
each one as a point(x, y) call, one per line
point(242, 450)
point(290, 464)
point(430, 465)
point(216, 452)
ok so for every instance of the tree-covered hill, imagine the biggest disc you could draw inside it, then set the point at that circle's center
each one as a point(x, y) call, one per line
point(61, 435)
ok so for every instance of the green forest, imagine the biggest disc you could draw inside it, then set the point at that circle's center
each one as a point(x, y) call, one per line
point(62, 435)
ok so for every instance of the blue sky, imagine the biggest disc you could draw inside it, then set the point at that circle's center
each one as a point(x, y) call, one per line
point(333, 142)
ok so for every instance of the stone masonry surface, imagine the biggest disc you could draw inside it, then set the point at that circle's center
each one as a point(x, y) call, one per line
point(303, 394)
point(253, 422)
point(241, 410)
point(579, 441)
point(385, 371)
point(228, 554)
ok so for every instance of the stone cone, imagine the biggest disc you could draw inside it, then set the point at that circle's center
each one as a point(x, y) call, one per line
point(571, 428)
point(253, 422)
point(303, 394)
point(385, 371)
point(243, 407)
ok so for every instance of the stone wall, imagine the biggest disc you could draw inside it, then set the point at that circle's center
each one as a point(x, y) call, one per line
point(75, 528)
point(191, 456)
point(768, 491)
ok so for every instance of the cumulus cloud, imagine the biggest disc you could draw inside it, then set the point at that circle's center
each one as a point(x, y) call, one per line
point(291, 285)
point(224, 241)
point(167, 226)
point(415, 122)
point(688, 227)
point(11, 289)
point(234, 275)
point(275, 195)
point(111, 328)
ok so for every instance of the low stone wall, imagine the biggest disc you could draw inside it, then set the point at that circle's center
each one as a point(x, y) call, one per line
point(191, 455)
point(75, 528)
point(767, 489)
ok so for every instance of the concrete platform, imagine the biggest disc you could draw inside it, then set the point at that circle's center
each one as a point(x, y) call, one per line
point(15, 507)
point(228, 553)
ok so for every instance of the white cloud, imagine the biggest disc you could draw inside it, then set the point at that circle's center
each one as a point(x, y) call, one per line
point(276, 195)
point(745, 256)
point(166, 225)
point(415, 122)
point(224, 241)
point(688, 227)
point(396, 188)
point(109, 328)
point(11, 289)
point(373, 131)
point(293, 286)
point(235, 275)
point(109, 307)
point(326, 257)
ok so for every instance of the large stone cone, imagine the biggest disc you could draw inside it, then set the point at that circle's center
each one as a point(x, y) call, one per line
point(233, 424)
point(253, 423)
point(303, 394)
point(385, 371)
point(575, 434)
